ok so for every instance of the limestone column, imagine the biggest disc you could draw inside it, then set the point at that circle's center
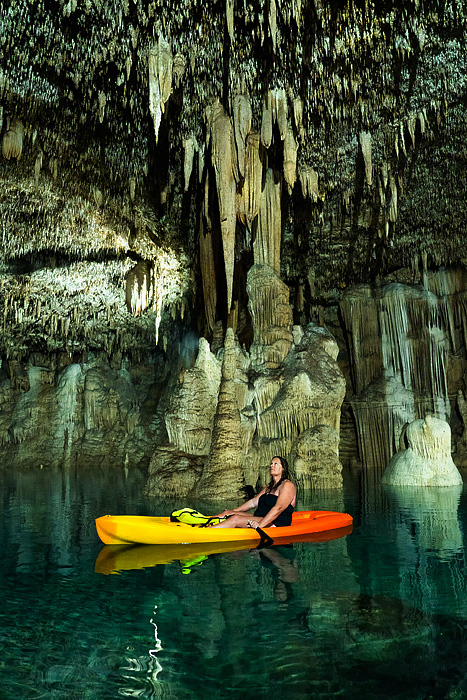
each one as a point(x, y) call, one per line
point(222, 477)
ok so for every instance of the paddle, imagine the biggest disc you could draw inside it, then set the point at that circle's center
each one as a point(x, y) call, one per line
point(266, 540)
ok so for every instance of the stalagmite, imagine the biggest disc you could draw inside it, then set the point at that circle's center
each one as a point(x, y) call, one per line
point(314, 459)
point(310, 394)
point(190, 413)
point(267, 245)
point(222, 160)
point(427, 460)
point(222, 475)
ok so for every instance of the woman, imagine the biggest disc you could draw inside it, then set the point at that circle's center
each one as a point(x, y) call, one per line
point(274, 504)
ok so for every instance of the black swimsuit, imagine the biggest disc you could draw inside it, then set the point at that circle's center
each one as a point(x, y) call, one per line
point(268, 501)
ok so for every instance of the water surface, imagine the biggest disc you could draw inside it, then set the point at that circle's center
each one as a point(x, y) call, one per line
point(378, 613)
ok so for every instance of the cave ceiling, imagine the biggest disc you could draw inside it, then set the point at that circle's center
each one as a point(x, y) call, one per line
point(172, 134)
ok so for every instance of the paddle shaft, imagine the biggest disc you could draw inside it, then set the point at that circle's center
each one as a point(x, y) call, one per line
point(266, 540)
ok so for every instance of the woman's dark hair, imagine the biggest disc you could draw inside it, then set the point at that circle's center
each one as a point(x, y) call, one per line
point(285, 474)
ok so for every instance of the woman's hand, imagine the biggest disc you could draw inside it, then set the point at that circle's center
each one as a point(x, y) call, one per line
point(224, 513)
point(255, 522)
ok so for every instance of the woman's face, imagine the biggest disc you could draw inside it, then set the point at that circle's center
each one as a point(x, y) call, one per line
point(276, 468)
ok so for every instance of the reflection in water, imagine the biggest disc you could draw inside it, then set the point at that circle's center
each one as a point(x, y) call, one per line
point(430, 514)
point(378, 613)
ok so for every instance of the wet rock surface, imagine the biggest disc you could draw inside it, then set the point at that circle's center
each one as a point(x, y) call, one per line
point(155, 158)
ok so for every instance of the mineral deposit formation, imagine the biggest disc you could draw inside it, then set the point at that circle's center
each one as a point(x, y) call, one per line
point(230, 230)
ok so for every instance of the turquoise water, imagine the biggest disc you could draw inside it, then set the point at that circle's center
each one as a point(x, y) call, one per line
point(379, 613)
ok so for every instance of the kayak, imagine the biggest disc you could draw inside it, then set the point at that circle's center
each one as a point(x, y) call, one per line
point(141, 529)
point(124, 557)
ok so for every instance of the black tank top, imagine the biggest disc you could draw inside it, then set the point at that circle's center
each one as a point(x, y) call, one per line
point(268, 501)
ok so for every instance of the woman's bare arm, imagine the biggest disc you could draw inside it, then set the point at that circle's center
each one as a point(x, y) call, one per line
point(284, 499)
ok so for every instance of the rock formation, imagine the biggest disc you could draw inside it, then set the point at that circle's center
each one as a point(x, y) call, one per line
point(315, 459)
point(427, 461)
point(222, 475)
point(78, 415)
point(405, 342)
point(168, 170)
point(286, 403)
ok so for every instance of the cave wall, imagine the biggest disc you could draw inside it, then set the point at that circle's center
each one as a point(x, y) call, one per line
point(152, 154)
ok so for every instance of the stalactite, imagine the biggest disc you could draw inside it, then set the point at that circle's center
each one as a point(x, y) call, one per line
point(155, 109)
point(267, 120)
point(309, 182)
point(208, 274)
point(266, 247)
point(393, 200)
point(229, 11)
point(223, 157)
point(241, 112)
point(272, 19)
point(290, 159)
point(12, 145)
point(190, 148)
point(248, 201)
point(365, 143)
point(281, 111)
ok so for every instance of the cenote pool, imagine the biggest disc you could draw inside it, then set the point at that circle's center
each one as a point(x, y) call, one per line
point(380, 613)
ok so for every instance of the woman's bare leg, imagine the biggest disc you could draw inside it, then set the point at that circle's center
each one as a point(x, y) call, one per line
point(237, 520)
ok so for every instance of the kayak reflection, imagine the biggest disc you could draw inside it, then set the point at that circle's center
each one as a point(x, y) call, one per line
point(115, 558)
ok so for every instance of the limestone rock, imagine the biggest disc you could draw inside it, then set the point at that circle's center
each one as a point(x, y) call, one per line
point(427, 460)
point(224, 161)
point(241, 109)
point(311, 391)
point(267, 245)
point(173, 473)
point(190, 413)
point(82, 415)
point(272, 317)
point(314, 459)
point(12, 145)
point(248, 201)
point(222, 475)
point(399, 343)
